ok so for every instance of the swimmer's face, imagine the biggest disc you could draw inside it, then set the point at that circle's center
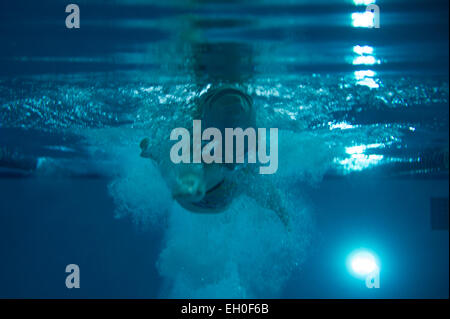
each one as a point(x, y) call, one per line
point(190, 187)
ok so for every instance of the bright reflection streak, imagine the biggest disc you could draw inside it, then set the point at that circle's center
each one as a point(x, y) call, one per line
point(341, 125)
point(358, 162)
point(363, 19)
point(364, 77)
point(369, 82)
point(364, 53)
point(365, 59)
point(366, 49)
point(359, 75)
point(359, 149)
point(364, 2)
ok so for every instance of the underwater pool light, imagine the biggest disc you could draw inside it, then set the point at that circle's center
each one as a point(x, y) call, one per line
point(363, 263)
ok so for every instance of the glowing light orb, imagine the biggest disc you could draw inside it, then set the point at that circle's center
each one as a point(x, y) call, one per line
point(363, 263)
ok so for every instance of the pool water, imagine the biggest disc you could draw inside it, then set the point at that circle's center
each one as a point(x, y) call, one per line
point(363, 120)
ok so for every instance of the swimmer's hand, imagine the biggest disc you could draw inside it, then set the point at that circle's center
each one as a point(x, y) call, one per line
point(189, 187)
point(145, 148)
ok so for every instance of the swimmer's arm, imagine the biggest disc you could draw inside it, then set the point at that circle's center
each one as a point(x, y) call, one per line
point(274, 202)
point(268, 196)
point(148, 150)
point(145, 148)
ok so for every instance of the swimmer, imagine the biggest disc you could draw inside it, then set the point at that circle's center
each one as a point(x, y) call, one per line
point(210, 188)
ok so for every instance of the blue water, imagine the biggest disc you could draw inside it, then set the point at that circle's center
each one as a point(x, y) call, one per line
point(363, 119)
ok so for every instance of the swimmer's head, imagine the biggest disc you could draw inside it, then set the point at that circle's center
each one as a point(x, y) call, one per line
point(189, 187)
point(227, 107)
